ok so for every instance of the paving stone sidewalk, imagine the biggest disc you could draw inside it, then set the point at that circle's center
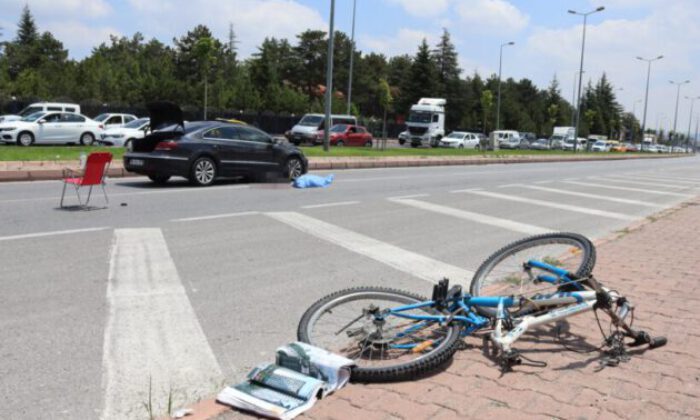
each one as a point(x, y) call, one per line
point(657, 266)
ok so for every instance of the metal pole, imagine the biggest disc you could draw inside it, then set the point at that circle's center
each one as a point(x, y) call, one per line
point(573, 99)
point(675, 115)
point(329, 81)
point(695, 139)
point(498, 101)
point(352, 56)
point(690, 121)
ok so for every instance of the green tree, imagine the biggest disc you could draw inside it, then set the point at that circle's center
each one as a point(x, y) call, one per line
point(420, 81)
point(486, 109)
point(205, 51)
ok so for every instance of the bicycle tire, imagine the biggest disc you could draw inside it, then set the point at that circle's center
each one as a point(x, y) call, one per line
point(584, 268)
point(426, 363)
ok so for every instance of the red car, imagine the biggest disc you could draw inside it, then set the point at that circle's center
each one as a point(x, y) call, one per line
point(348, 135)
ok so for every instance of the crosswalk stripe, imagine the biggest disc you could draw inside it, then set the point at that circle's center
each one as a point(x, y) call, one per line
point(335, 204)
point(554, 205)
point(668, 179)
point(474, 217)
point(216, 216)
point(615, 187)
point(51, 233)
point(401, 259)
point(594, 196)
point(154, 346)
point(637, 182)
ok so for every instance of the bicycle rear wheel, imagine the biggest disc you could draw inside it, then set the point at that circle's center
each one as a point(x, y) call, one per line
point(503, 273)
point(394, 349)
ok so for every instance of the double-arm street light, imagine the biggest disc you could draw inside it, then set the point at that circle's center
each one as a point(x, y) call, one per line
point(678, 97)
point(352, 56)
point(498, 101)
point(690, 120)
point(646, 95)
point(583, 48)
point(329, 81)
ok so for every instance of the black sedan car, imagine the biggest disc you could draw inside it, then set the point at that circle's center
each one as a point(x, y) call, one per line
point(203, 151)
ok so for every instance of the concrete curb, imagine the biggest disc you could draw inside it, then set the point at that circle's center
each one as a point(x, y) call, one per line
point(48, 170)
point(209, 409)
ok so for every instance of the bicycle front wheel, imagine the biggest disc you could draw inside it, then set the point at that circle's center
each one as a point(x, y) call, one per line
point(385, 347)
point(503, 273)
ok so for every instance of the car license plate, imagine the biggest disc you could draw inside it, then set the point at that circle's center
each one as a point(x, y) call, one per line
point(136, 162)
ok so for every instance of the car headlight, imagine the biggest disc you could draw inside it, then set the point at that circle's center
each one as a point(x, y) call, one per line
point(8, 128)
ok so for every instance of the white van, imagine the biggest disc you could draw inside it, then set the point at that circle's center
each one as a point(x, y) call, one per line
point(306, 130)
point(508, 139)
point(42, 106)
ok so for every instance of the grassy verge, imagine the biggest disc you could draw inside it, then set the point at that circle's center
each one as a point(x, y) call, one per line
point(18, 153)
point(53, 153)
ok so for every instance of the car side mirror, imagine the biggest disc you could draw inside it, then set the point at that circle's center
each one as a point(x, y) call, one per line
point(41, 121)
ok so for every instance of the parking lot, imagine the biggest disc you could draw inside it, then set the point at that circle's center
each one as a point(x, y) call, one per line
point(186, 288)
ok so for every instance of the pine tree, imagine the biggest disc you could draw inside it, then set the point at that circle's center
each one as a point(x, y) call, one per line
point(445, 58)
point(421, 81)
point(27, 33)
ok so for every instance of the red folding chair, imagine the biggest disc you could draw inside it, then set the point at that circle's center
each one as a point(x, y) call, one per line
point(95, 171)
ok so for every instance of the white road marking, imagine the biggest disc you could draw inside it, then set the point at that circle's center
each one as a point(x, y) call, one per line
point(152, 334)
point(51, 233)
point(637, 182)
point(403, 260)
point(475, 217)
point(614, 187)
point(336, 204)
point(560, 206)
point(400, 197)
point(544, 182)
point(594, 196)
point(466, 190)
point(665, 179)
point(216, 216)
point(508, 185)
point(170, 190)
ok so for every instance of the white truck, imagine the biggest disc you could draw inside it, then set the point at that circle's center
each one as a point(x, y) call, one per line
point(560, 135)
point(425, 124)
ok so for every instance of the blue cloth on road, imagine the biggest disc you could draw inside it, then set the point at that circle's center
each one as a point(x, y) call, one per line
point(313, 181)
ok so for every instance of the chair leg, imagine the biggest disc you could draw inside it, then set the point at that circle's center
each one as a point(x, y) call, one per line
point(88, 197)
point(77, 192)
point(63, 194)
point(104, 192)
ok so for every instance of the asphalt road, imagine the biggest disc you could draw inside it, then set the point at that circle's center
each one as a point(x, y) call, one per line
point(182, 289)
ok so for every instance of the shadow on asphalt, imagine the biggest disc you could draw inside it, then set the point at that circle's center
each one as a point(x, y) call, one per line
point(273, 184)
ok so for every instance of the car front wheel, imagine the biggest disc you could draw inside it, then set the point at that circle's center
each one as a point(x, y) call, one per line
point(25, 139)
point(203, 172)
point(87, 139)
point(293, 168)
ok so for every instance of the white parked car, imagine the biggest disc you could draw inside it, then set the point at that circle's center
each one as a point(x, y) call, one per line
point(568, 144)
point(125, 136)
point(460, 140)
point(114, 120)
point(50, 128)
point(600, 146)
point(41, 106)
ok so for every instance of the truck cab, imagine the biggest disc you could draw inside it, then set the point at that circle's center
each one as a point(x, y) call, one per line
point(425, 124)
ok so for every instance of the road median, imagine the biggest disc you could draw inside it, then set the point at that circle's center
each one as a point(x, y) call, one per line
point(48, 170)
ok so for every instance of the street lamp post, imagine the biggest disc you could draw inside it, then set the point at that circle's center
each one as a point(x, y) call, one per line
point(690, 120)
point(498, 101)
point(678, 97)
point(329, 81)
point(352, 56)
point(646, 95)
point(583, 48)
point(634, 118)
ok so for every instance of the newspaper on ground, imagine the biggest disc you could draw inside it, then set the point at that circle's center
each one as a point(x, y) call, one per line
point(301, 374)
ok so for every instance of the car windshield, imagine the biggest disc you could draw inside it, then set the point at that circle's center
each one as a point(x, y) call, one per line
point(455, 135)
point(34, 116)
point(340, 128)
point(101, 117)
point(600, 143)
point(419, 116)
point(311, 121)
point(30, 110)
point(136, 123)
point(189, 127)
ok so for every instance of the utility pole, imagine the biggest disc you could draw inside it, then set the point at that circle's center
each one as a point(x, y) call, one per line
point(646, 95)
point(352, 56)
point(329, 81)
point(583, 48)
point(678, 97)
point(500, 65)
point(690, 120)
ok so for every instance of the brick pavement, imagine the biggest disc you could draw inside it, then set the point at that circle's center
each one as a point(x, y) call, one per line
point(656, 265)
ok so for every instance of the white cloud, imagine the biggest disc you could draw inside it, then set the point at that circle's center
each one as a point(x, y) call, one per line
point(422, 8)
point(54, 8)
point(492, 15)
point(80, 36)
point(253, 20)
point(405, 41)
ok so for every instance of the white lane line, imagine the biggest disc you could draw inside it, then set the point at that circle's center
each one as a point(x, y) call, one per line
point(403, 260)
point(336, 204)
point(614, 187)
point(508, 185)
point(594, 196)
point(544, 182)
point(51, 233)
point(216, 216)
point(171, 190)
point(152, 332)
point(554, 205)
point(400, 197)
point(466, 190)
point(475, 217)
point(636, 182)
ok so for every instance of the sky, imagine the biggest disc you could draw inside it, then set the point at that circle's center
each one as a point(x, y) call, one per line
point(547, 38)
